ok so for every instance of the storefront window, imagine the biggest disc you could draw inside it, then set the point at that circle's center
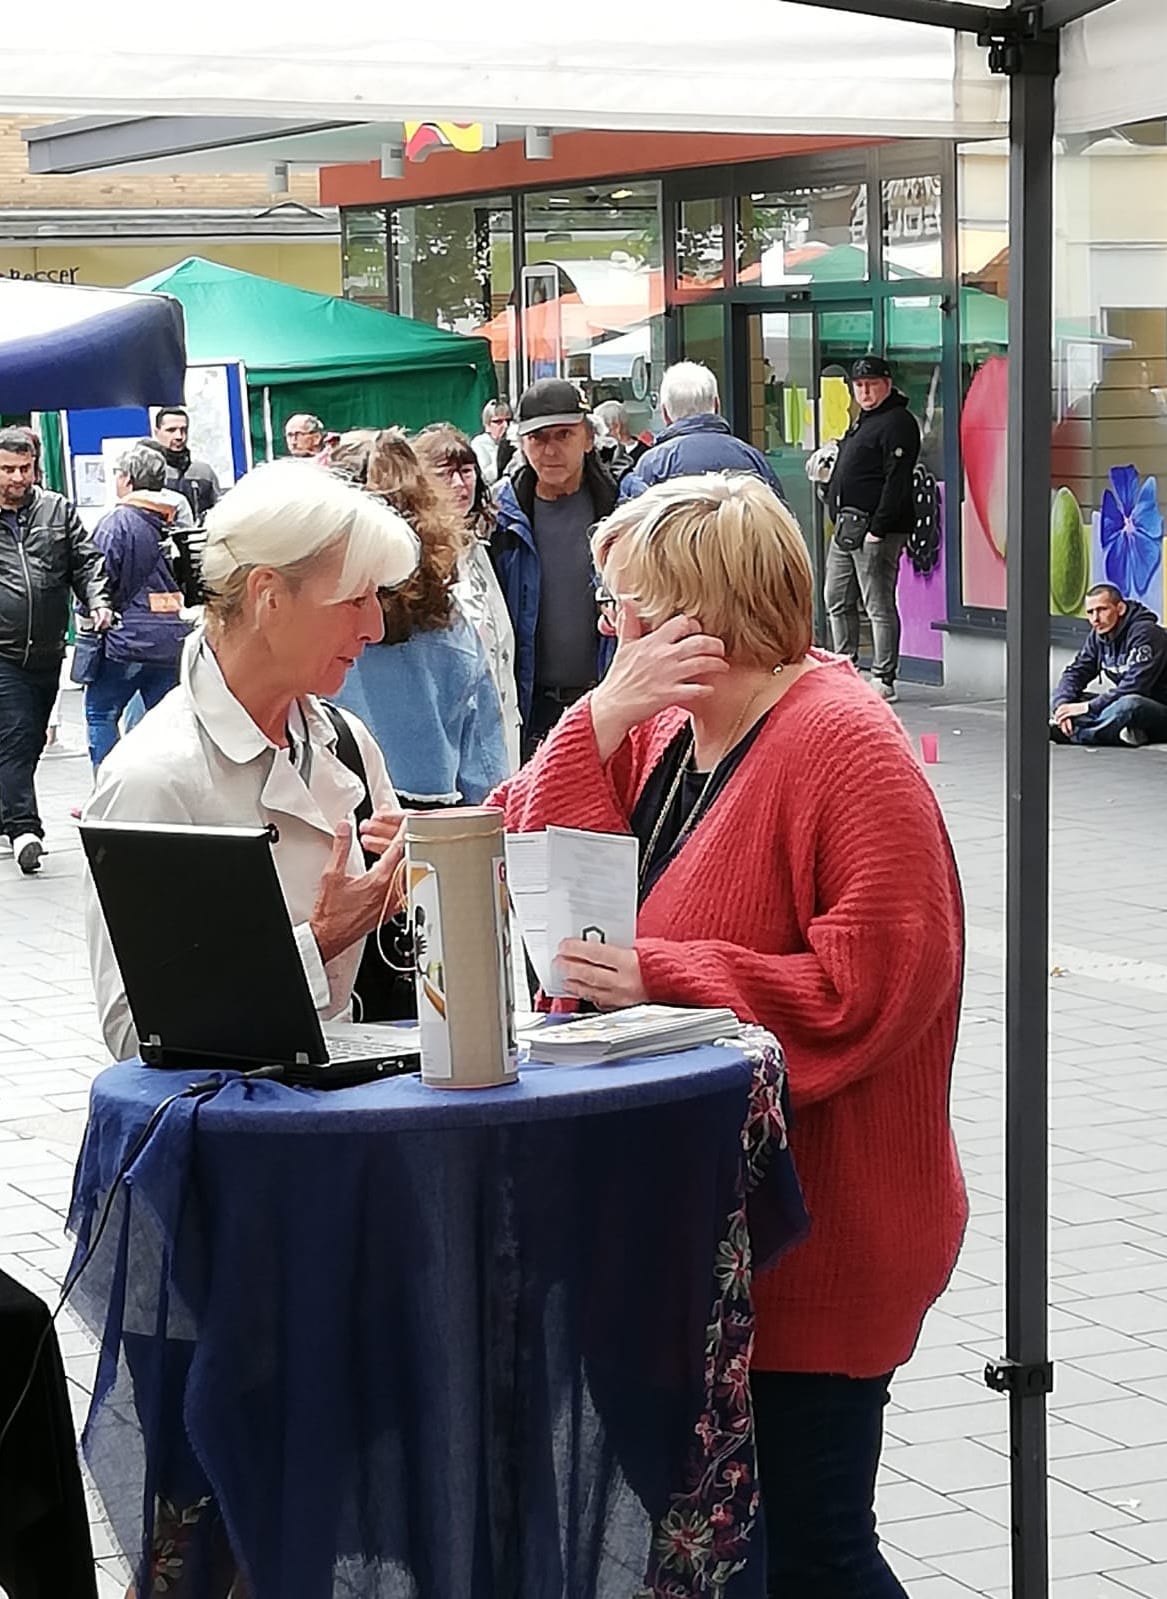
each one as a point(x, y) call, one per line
point(703, 339)
point(803, 236)
point(1110, 365)
point(364, 247)
point(700, 245)
point(983, 266)
point(453, 262)
point(912, 224)
point(453, 265)
point(914, 339)
point(592, 293)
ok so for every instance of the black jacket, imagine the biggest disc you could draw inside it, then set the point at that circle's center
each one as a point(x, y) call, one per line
point(873, 472)
point(49, 555)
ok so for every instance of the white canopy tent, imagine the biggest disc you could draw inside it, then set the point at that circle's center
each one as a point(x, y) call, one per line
point(759, 66)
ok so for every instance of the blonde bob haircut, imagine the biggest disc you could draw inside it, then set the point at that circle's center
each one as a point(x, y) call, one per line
point(294, 517)
point(721, 548)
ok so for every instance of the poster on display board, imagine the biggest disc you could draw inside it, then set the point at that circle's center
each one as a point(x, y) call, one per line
point(216, 399)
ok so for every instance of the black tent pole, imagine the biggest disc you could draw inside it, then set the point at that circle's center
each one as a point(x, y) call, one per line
point(1025, 1373)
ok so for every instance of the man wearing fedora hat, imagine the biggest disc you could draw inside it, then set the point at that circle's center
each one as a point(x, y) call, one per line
point(542, 554)
point(871, 504)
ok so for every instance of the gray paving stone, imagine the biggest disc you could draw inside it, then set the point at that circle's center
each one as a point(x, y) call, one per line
point(1150, 1581)
point(931, 1536)
point(908, 1501)
point(1137, 1420)
point(1114, 1468)
point(1070, 1510)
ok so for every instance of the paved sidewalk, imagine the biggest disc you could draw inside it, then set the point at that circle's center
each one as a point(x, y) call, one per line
point(943, 1498)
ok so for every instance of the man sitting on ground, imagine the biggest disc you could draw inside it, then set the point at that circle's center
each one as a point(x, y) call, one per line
point(1127, 646)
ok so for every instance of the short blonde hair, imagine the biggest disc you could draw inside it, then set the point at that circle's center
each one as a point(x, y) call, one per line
point(292, 516)
point(721, 548)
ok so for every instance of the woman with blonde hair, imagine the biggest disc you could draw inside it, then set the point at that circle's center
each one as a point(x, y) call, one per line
point(427, 693)
point(794, 866)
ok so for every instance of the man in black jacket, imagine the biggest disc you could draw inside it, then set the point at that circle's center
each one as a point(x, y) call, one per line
point(873, 477)
point(196, 481)
point(45, 554)
point(1128, 648)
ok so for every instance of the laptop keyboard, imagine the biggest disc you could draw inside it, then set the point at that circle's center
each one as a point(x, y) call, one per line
point(352, 1041)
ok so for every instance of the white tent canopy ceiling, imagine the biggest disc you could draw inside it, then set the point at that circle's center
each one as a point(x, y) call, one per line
point(759, 66)
point(768, 66)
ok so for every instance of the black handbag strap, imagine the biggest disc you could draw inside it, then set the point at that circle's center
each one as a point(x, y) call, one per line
point(384, 995)
point(348, 752)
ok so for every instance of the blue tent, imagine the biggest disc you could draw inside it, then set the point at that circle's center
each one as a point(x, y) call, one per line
point(66, 348)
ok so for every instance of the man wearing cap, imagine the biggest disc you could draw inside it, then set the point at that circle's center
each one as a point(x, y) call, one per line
point(542, 553)
point(871, 503)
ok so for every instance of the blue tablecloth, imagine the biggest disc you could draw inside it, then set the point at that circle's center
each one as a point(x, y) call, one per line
point(399, 1343)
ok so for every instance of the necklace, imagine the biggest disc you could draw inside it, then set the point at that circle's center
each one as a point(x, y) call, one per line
point(691, 818)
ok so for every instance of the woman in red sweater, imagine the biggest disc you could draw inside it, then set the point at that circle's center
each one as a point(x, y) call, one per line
point(794, 866)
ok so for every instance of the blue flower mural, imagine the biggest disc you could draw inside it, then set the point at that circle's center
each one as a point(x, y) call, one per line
point(1131, 531)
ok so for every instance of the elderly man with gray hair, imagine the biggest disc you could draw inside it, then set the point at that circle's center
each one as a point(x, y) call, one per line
point(696, 438)
point(140, 653)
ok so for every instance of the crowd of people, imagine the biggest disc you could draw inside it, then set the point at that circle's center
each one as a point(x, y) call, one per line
point(496, 636)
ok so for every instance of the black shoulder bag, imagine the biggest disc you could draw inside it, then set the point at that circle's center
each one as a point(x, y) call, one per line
point(382, 994)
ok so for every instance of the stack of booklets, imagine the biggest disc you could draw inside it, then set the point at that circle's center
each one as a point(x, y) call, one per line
point(641, 1030)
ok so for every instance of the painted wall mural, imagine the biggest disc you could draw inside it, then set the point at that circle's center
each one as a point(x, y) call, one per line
point(923, 601)
point(1122, 542)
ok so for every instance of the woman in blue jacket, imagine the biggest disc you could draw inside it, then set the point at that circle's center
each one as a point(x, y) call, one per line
point(426, 693)
point(140, 653)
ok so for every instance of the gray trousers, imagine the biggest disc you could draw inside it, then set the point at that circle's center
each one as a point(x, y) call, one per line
point(869, 574)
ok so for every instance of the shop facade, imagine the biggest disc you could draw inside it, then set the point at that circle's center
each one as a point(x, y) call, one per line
point(777, 267)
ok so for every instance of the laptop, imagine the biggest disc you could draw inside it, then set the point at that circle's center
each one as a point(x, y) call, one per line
point(204, 941)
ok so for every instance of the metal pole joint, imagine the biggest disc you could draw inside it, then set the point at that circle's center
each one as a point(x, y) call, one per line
point(1014, 1377)
point(1020, 44)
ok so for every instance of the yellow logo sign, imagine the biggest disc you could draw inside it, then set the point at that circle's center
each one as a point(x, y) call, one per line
point(422, 137)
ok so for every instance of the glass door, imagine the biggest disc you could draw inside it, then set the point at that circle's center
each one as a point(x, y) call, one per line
point(794, 396)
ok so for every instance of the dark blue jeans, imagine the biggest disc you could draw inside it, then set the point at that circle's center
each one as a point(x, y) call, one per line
point(111, 692)
point(819, 1439)
point(26, 703)
point(1129, 710)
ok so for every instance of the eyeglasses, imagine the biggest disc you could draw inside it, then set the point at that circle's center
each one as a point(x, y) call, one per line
point(452, 471)
point(301, 433)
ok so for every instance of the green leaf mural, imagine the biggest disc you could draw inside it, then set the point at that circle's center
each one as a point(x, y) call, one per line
point(1069, 555)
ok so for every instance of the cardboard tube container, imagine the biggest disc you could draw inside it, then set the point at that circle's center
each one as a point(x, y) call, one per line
point(459, 917)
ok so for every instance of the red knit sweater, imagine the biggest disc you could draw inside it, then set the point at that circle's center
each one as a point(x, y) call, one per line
point(818, 896)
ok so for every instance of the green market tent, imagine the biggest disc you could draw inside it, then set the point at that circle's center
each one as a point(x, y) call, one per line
point(349, 364)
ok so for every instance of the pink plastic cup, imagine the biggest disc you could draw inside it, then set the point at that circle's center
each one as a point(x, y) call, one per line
point(930, 748)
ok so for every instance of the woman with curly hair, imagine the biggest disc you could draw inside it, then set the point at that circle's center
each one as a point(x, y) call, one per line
point(450, 456)
point(426, 693)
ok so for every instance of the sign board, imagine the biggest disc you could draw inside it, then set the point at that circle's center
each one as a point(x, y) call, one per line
point(216, 399)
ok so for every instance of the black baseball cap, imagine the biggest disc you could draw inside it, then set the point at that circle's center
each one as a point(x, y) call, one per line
point(549, 403)
point(871, 366)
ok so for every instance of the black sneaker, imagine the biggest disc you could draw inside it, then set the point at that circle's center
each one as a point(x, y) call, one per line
point(28, 850)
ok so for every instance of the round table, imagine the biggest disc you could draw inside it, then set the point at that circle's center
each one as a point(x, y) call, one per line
point(394, 1341)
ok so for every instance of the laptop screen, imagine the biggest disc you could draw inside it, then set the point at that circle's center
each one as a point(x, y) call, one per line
point(204, 942)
